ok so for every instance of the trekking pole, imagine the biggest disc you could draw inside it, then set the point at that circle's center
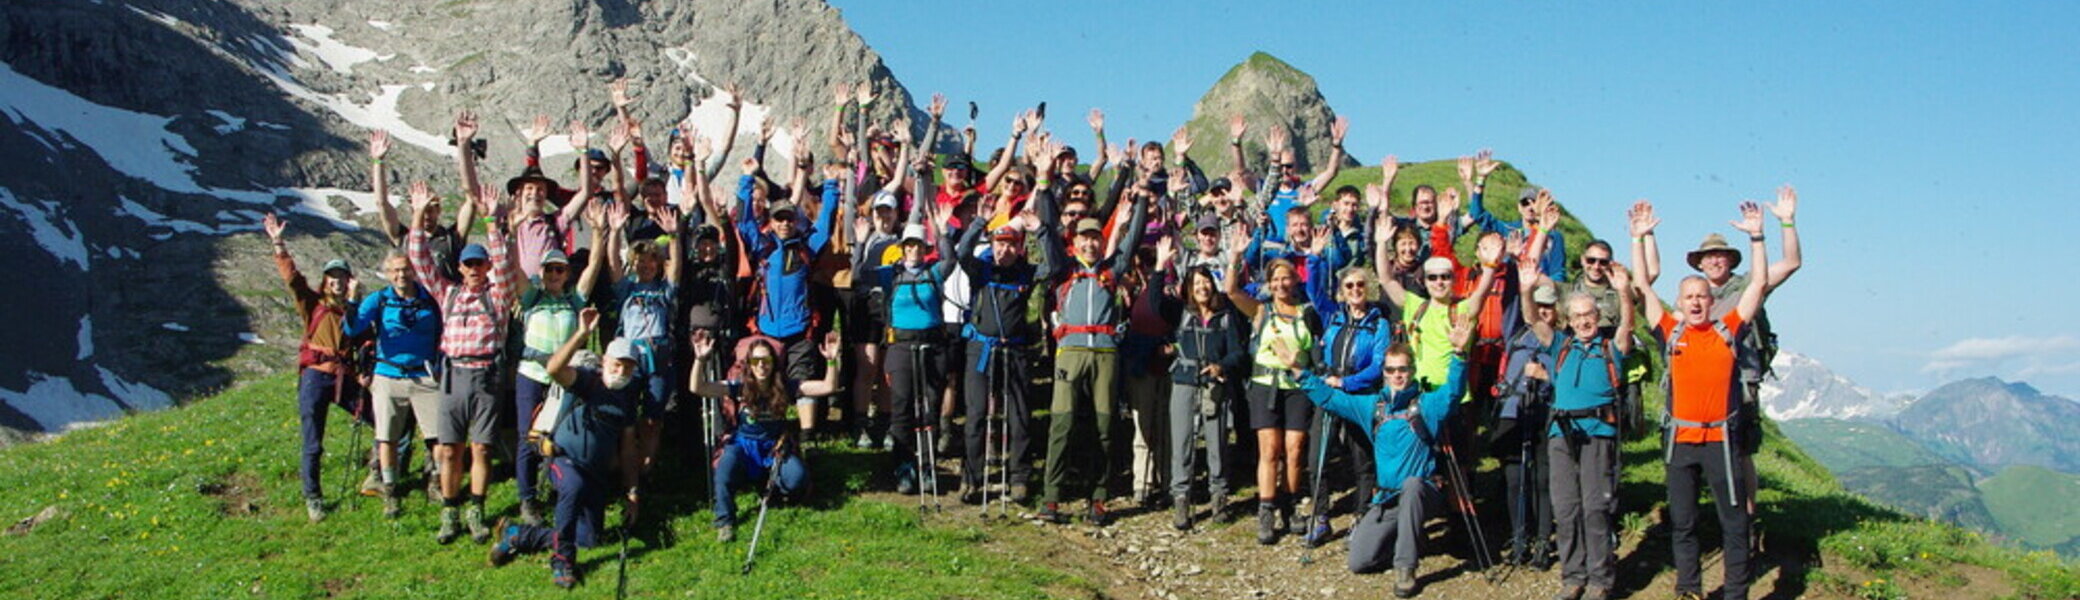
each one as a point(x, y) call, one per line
point(1321, 455)
point(927, 429)
point(621, 572)
point(1471, 520)
point(1004, 458)
point(989, 429)
point(764, 500)
point(354, 441)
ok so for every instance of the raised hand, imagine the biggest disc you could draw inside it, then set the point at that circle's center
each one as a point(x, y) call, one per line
point(580, 136)
point(465, 126)
point(1448, 202)
point(798, 130)
point(537, 131)
point(1751, 219)
point(1097, 120)
point(617, 137)
point(1383, 233)
point(736, 96)
point(1543, 207)
point(1641, 218)
point(864, 92)
point(765, 128)
point(703, 343)
point(588, 320)
point(618, 93)
point(617, 216)
point(1388, 168)
point(1515, 242)
point(1339, 127)
point(378, 144)
point(1237, 126)
point(831, 346)
point(1180, 142)
point(273, 226)
point(1019, 123)
point(1527, 275)
point(1488, 252)
point(421, 196)
point(662, 213)
point(938, 106)
point(1621, 277)
point(901, 133)
point(1484, 162)
point(1786, 205)
point(1549, 214)
point(841, 93)
point(1462, 332)
point(1276, 138)
point(1465, 168)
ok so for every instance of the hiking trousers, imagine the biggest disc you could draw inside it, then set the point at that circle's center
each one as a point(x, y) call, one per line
point(914, 381)
point(1583, 494)
point(1688, 465)
point(314, 390)
point(581, 512)
point(1189, 424)
point(528, 395)
point(1148, 399)
point(1398, 522)
point(999, 372)
point(1083, 391)
point(737, 469)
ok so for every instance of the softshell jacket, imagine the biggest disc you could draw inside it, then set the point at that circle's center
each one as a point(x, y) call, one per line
point(1398, 452)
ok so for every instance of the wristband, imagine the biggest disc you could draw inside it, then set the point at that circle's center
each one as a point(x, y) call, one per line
point(1755, 238)
point(1481, 181)
point(1639, 239)
point(375, 162)
point(1787, 224)
point(1235, 141)
point(830, 364)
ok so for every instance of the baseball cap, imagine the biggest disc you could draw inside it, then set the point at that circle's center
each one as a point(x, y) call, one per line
point(473, 252)
point(1007, 233)
point(337, 264)
point(779, 208)
point(555, 257)
point(1221, 184)
point(913, 231)
point(1209, 222)
point(883, 198)
point(1088, 225)
point(1545, 294)
point(621, 349)
point(1437, 264)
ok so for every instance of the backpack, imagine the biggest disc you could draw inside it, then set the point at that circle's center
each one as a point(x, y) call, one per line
point(758, 288)
point(1104, 280)
point(929, 279)
point(306, 354)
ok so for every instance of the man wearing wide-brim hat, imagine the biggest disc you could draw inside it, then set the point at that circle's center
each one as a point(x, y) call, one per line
point(536, 233)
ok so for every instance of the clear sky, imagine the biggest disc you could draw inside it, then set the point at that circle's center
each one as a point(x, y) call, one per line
point(1935, 147)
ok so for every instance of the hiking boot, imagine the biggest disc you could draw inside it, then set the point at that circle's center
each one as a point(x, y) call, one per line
point(1319, 534)
point(392, 506)
point(970, 494)
point(1405, 583)
point(315, 508)
point(865, 440)
point(530, 513)
point(508, 537)
point(1286, 522)
point(1182, 517)
point(474, 517)
point(1596, 593)
point(1541, 556)
point(449, 527)
point(561, 574)
point(372, 485)
point(1569, 592)
point(1098, 515)
point(1052, 513)
point(945, 433)
point(906, 479)
point(1220, 506)
point(726, 533)
point(1267, 524)
point(1689, 596)
point(1019, 492)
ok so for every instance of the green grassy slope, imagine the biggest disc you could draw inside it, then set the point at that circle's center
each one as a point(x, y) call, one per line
point(1843, 445)
point(203, 502)
point(2034, 504)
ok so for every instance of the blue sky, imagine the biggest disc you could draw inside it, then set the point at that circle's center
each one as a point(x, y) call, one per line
point(1934, 146)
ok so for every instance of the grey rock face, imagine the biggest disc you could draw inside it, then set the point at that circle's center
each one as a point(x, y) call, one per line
point(1265, 91)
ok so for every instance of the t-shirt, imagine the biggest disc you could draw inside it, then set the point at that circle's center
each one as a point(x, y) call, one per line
point(1583, 381)
point(1298, 334)
point(546, 322)
point(1430, 337)
point(646, 308)
point(590, 432)
point(1701, 375)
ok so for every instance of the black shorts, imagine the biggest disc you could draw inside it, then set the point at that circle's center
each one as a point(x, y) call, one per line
point(1271, 408)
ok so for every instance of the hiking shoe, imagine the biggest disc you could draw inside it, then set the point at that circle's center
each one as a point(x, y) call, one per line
point(1182, 517)
point(372, 485)
point(474, 517)
point(1052, 513)
point(1020, 492)
point(508, 536)
point(1267, 524)
point(315, 508)
point(1405, 583)
point(1098, 515)
point(1286, 522)
point(865, 440)
point(726, 533)
point(392, 507)
point(1319, 534)
point(1596, 593)
point(449, 527)
point(970, 494)
point(1689, 596)
point(906, 479)
point(562, 574)
point(1569, 592)
point(530, 513)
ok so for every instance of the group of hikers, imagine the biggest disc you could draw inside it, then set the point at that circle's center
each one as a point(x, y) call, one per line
point(1256, 330)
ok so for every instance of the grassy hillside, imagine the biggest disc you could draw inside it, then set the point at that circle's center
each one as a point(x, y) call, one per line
point(1940, 491)
point(1843, 445)
point(2034, 504)
point(203, 502)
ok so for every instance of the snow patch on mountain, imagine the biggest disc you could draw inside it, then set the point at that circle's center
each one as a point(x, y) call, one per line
point(58, 404)
point(1803, 388)
point(54, 233)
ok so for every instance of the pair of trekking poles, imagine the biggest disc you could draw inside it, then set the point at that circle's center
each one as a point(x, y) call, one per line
point(996, 439)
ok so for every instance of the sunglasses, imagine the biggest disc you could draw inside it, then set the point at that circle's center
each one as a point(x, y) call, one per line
point(1018, 182)
point(1354, 285)
point(1525, 201)
point(1437, 277)
point(1398, 370)
point(1595, 262)
point(555, 269)
point(1289, 166)
point(759, 360)
point(1075, 214)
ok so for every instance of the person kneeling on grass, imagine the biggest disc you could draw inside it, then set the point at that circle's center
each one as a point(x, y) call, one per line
point(1401, 419)
point(755, 415)
point(589, 442)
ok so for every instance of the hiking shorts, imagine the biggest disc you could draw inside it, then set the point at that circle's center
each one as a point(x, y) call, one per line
point(466, 407)
point(399, 401)
point(1272, 408)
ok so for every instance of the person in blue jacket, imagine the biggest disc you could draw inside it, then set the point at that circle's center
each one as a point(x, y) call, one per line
point(785, 252)
point(1401, 419)
point(407, 325)
point(1536, 211)
point(1348, 359)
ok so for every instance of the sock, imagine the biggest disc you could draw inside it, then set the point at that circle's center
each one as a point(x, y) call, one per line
point(390, 476)
point(477, 500)
point(452, 501)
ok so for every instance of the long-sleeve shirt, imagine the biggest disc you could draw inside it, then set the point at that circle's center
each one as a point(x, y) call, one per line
point(785, 263)
point(471, 317)
point(1222, 339)
point(534, 237)
point(1398, 453)
point(324, 337)
point(1088, 309)
point(1553, 264)
point(1354, 348)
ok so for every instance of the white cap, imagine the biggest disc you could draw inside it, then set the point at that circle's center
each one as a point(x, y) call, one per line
point(883, 198)
point(1437, 264)
point(621, 349)
point(913, 231)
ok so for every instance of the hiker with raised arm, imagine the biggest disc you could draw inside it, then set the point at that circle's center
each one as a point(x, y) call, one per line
point(1525, 393)
point(473, 312)
point(1283, 187)
point(548, 314)
point(784, 252)
point(590, 454)
point(1286, 328)
point(755, 402)
point(1536, 212)
point(405, 321)
point(1210, 356)
point(1000, 343)
point(1703, 409)
point(1401, 420)
point(322, 355)
point(649, 298)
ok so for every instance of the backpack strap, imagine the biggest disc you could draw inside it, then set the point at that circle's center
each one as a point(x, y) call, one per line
point(1413, 415)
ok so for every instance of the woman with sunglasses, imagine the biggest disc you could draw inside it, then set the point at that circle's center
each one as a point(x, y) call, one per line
point(1286, 327)
point(755, 414)
point(1347, 363)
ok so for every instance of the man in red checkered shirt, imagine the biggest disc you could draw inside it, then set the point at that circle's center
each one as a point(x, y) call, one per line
point(473, 312)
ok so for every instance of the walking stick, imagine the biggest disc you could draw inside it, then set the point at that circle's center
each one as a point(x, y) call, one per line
point(1321, 456)
point(1471, 521)
point(621, 575)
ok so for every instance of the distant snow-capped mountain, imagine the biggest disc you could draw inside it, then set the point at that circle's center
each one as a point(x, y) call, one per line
point(1803, 388)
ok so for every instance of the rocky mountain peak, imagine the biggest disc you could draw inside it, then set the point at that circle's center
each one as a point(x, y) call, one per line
point(1266, 91)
